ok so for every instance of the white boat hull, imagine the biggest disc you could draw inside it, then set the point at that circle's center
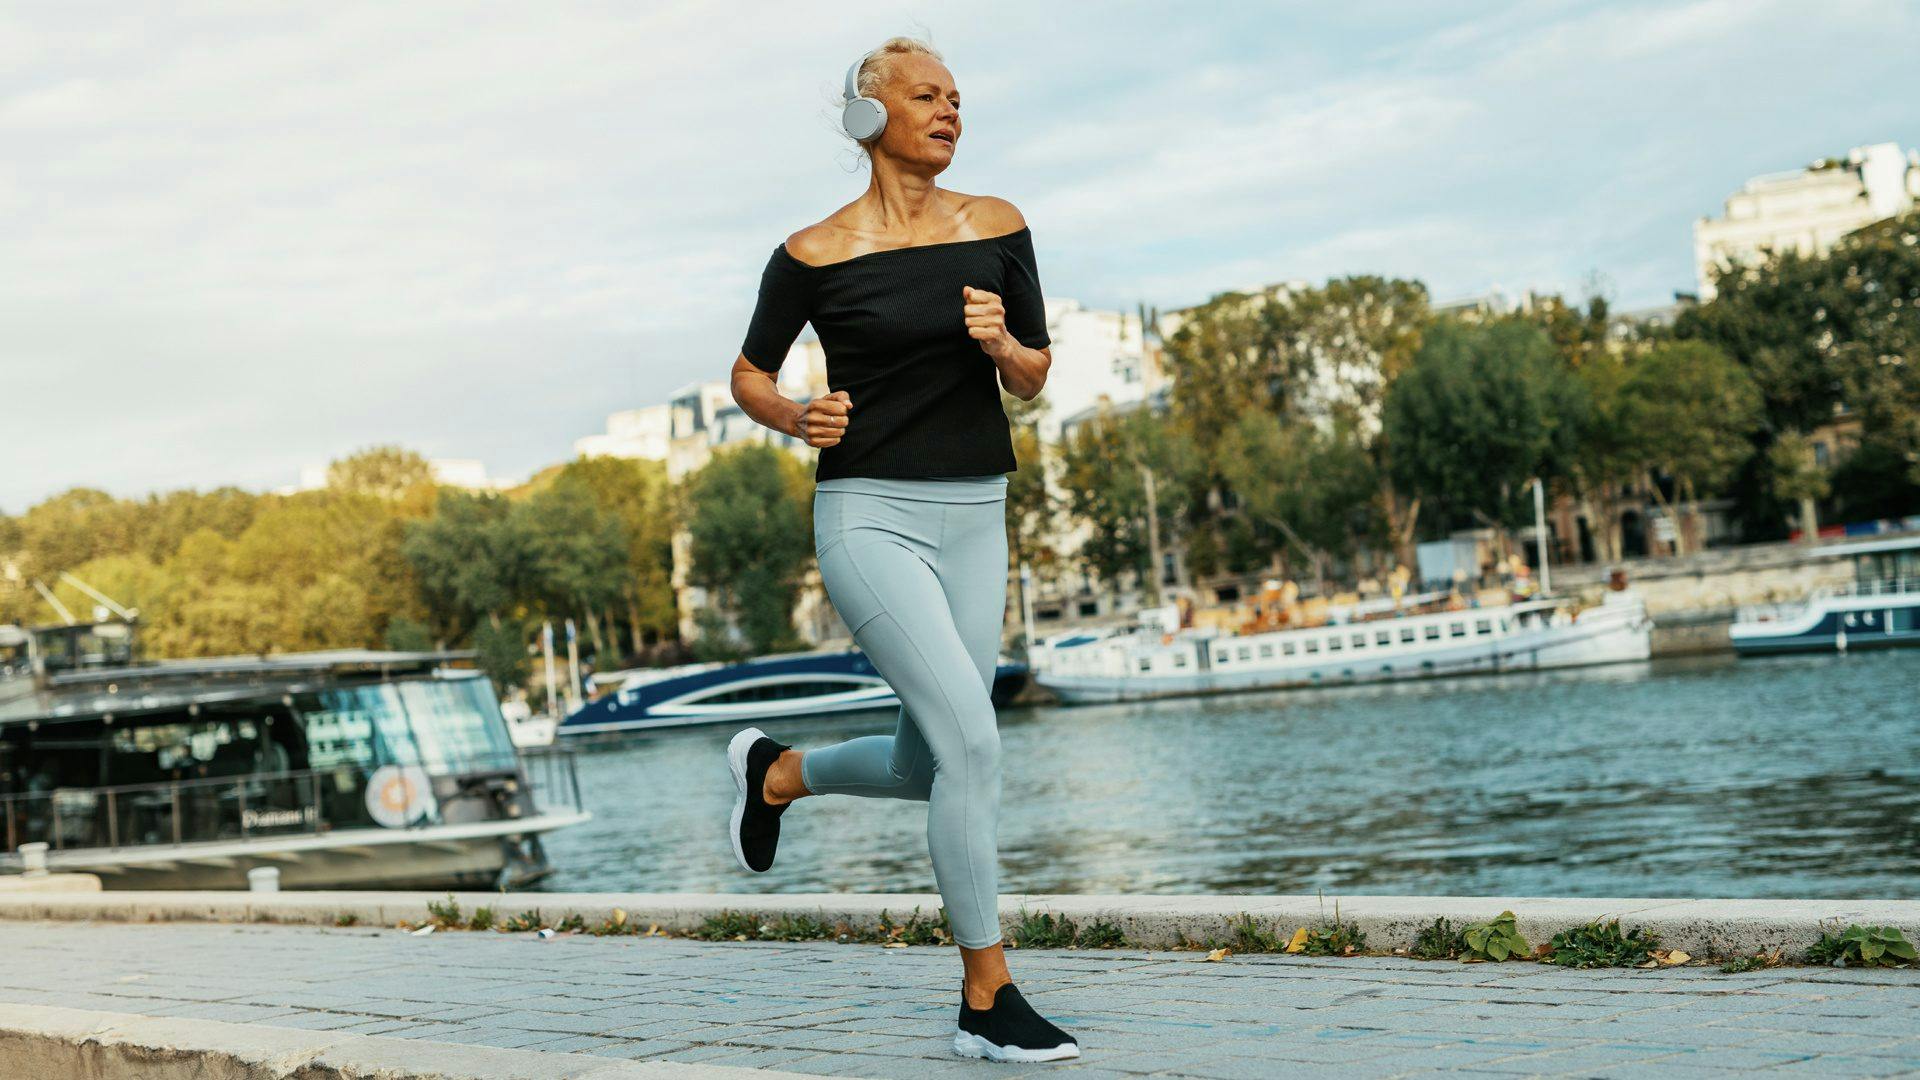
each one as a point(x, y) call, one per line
point(1617, 632)
point(467, 855)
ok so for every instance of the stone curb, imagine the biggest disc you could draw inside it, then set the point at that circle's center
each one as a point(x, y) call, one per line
point(1701, 927)
point(43, 1040)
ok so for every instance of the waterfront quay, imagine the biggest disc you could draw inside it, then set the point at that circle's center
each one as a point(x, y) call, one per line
point(526, 1004)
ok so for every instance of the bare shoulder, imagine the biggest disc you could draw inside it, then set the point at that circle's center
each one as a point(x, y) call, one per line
point(994, 216)
point(817, 244)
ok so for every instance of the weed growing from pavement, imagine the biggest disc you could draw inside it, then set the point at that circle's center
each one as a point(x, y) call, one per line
point(1597, 944)
point(1441, 941)
point(1601, 944)
point(1863, 946)
point(1049, 931)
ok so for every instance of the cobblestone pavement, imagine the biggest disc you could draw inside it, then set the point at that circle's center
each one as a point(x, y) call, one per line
point(860, 1010)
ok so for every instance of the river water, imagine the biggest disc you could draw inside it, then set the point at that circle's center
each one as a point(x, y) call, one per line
point(1778, 777)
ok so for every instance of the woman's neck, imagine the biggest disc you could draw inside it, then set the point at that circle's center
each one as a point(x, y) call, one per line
point(899, 201)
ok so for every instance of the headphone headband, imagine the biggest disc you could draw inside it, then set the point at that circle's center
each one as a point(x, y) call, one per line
point(853, 75)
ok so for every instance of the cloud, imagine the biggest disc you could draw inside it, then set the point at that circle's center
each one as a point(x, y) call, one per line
point(242, 239)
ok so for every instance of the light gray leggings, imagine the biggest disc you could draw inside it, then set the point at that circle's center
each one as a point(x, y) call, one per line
point(918, 570)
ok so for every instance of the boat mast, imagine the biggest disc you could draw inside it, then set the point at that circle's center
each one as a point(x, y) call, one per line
point(1540, 535)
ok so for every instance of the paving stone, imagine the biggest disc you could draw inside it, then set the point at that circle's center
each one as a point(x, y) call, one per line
point(835, 1010)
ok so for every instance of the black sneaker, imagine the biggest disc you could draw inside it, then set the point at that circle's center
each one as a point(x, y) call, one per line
point(756, 826)
point(1010, 1031)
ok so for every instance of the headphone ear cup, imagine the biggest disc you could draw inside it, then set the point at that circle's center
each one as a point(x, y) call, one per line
point(863, 118)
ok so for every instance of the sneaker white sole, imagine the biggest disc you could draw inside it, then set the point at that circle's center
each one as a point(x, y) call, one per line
point(737, 761)
point(967, 1044)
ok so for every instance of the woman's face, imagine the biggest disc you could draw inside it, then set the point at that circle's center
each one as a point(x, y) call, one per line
point(923, 112)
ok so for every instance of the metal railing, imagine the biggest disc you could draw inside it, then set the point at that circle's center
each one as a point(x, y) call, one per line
point(302, 802)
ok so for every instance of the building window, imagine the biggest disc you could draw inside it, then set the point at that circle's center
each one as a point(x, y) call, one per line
point(1089, 608)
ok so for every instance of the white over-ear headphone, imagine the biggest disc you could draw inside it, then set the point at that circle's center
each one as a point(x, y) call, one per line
point(861, 117)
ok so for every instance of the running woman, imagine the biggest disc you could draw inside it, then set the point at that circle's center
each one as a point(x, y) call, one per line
point(927, 301)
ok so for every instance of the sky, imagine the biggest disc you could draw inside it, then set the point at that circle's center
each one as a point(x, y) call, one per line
point(238, 239)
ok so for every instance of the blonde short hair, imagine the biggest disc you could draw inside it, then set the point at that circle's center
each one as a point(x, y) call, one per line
point(879, 64)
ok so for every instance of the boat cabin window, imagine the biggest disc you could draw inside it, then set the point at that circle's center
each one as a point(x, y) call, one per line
point(1287, 648)
point(1334, 644)
point(1246, 652)
point(1179, 659)
point(1383, 637)
point(1359, 641)
point(1432, 632)
point(1146, 664)
point(1266, 650)
point(1313, 645)
point(1483, 626)
point(1458, 629)
point(1406, 634)
point(442, 725)
point(776, 691)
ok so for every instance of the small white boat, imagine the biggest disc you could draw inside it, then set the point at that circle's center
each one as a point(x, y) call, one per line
point(525, 729)
point(1151, 660)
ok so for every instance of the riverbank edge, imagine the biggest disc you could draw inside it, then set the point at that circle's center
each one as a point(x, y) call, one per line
point(46, 1040)
point(1701, 927)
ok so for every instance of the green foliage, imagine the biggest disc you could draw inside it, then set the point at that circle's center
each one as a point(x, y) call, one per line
point(1101, 935)
point(572, 923)
point(749, 527)
point(1249, 937)
point(482, 919)
point(1334, 939)
point(1601, 944)
point(1440, 941)
point(917, 930)
point(501, 652)
point(346, 918)
point(1498, 939)
point(1742, 964)
point(445, 914)
point(525, 921)
point(1042, 931)
point(408, 635)
point(386, 472)
point(1483, 410)
point(1863, 946)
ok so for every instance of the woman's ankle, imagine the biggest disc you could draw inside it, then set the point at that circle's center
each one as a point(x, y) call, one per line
point(784, 781)
point(980, 998)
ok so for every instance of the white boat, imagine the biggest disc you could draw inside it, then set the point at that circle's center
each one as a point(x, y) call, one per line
point(1878, 609)
point(1152, 660)
point(528, 730)
point(343, 769)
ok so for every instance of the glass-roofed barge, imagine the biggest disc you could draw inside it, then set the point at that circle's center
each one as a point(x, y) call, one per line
point(346, 769)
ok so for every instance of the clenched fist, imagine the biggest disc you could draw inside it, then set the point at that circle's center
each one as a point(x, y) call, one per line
point(987, 321)
point(824, 419)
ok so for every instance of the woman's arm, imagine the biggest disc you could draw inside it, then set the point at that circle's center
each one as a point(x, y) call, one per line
point(819, 422)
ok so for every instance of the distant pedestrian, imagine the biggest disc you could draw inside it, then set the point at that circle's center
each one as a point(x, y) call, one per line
point(927, 302)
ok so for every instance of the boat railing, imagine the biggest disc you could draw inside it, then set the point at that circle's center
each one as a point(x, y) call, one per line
point(277, 804)
point(552, 777)
point(1776, 612)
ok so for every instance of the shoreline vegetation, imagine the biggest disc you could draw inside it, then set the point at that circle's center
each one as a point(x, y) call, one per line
point(1311, 432)
point(1598, 944)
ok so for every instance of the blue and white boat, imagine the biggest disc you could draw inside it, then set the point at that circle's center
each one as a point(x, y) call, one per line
point(1879, 608)
point(774, 687)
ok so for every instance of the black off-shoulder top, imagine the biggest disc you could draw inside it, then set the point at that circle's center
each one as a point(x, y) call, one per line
point(925, 397)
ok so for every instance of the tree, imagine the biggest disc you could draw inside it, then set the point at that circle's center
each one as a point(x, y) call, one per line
point(1692, 409)
point(1797, 476)
point(1103, 477)
point(1483, 410)
point(578, 554)
point(471, 560)
point(386, 472)
point(750, 526)
point(1317, 487)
